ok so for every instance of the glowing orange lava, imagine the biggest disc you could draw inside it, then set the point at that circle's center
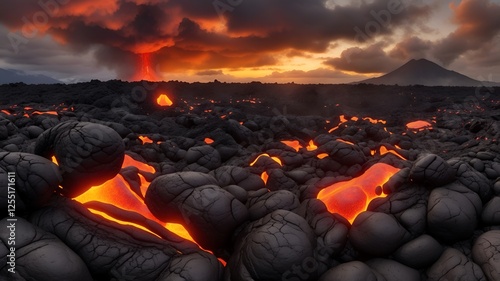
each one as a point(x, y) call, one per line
point(343, 120)
point(145, 139)
point(384, 150)
point(293, 144)
point(164, 100)
point(350, 198)
point(311, 146)
point(344, 141)
point(322, 155)
point(264, 176)
point(274, 158)
point(50, 112)
point(117, 192)
point(208, 140)
point(419, 125)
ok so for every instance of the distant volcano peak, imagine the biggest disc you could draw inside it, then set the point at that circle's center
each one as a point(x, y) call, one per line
point(423, 72)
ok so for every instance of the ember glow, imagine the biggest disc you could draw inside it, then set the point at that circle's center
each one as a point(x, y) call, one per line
point(274, 158)
point(293, 144)
point(208, 140)
point(343, 119)
point(265, 176)
point(384, 150)
point(344, 141)
point(311, 146)
point(419, 125)
point(350, 198)
point(322, 155)
point(145, 139)
point(164, 100)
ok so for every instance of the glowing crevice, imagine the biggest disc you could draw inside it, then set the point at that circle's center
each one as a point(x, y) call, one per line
point(350, 198)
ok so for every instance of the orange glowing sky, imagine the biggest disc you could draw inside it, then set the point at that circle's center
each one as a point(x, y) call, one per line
point(304, 41)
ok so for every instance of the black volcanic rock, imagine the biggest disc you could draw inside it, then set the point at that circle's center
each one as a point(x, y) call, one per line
point(36, 179)
point(377, 234)
point(423, 72)
point(349, 271)
point(275, 229)
point(210, 213)
point(40, 255)
point(88, 154)
point(454, 265)
point(485, 254)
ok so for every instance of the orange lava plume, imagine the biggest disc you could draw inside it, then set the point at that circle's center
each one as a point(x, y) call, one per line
point(164, 100)
point(350, 198)
point(145, 70)
point(293, 144)
point(208, 141)
point(419, 125)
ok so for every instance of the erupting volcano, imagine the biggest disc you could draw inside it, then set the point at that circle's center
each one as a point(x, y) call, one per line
point(146, 70)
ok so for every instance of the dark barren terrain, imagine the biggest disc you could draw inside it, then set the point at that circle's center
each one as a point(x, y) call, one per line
point(438, 218)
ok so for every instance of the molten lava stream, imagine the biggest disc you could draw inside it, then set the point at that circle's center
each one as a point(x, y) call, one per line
point(350, 198)
point(117, 192)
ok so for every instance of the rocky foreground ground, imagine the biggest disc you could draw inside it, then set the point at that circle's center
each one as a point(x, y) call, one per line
point(240, 166)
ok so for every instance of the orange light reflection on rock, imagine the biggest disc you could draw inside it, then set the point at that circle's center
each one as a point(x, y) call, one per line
point(350, 198)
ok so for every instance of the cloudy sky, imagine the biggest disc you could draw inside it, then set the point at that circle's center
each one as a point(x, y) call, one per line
point(305, 41)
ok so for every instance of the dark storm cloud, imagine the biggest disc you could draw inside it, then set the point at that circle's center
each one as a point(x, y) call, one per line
point(372, 59)
point(411, 48)
point(204, 34)
point(478, 24)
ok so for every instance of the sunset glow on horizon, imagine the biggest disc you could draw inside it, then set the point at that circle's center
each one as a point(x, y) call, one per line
point(301, 41)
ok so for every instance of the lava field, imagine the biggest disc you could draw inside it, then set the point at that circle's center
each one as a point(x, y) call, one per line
point(240, 182)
